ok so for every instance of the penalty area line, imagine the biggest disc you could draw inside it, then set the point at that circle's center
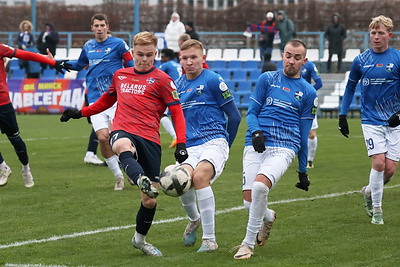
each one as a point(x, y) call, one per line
point(116, 228)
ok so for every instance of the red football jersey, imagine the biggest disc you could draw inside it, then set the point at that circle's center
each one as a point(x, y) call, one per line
point(142, 100)
point(5, 51)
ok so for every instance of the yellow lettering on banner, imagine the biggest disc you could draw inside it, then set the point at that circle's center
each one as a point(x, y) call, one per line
point(29, 87)
point(52, 86)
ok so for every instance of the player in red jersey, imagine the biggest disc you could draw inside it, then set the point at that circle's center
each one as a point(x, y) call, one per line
point(143, 93)
point(8, 120)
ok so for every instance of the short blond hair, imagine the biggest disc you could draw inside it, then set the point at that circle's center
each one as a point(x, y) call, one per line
point(145, 38)
point(385, 21)
point(184, 37)
point(192, 43)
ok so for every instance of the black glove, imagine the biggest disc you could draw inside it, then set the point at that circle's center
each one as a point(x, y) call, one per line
point(70, 113)
point(62, 65)
point(181, 153)
point(258, 141)
point(343, 126)
point(394, 120)
point(304, 181)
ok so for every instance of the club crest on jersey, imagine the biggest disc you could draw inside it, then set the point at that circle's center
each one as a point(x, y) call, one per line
point(389, 67)
point(298, 95)
point(107, 51)
point(199, 89)
point(150, 80)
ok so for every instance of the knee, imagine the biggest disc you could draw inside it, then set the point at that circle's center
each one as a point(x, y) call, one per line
point(149, 203)
point(103, 137)
point(259, 187)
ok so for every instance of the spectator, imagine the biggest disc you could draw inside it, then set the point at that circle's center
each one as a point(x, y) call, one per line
point(268, 65)
point(47, 39)
point(191, 31)
point(287, 29)
point(335, 34)
point(267, 29)
point(25, 41)
point(174, 29)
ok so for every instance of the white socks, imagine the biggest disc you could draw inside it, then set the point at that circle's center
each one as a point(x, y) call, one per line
point(312, 148)
point(246, 205)
point(206, 201)
point(376, 187)
point(258, 209)
point(113, 165)
point(89, 153)
point(139, 238)
point(189, 204)
point(168, 126)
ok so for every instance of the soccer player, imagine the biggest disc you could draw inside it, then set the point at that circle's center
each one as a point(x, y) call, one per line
point(174, 70)
point(279, 118)
point(310, 73)
point(143, 93)
point(8, 120)
point(104, 55)
point(378, 71)
point(212, 120)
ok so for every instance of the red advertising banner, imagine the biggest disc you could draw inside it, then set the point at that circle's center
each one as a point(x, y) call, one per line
point(46, 95)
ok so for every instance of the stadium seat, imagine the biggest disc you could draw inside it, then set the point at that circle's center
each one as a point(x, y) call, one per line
point(74, 53)
point(18, 73)
point(225, 74)
point(81, 74)
point(231, 85)
point(313, 54)
point(235, 64)
point(254, 75)
point(14, 64)
point(276, 55)
point(230, 54)
point(61, 53)
point(257, 55)
point(241, 99)
point(239, 75)
point(244, 86)
point(326, 55)
point(351, 54)
point(251, 64)
point(49, 73)
point(246, 54)
point(214, 54)
point(219, 64)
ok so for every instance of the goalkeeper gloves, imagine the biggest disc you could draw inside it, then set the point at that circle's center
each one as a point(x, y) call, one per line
point(258, 141)
point(181, 153)
point(62, 65)
point(70, 113)
point(304, 182)
point(343, 126)
point(394, 120)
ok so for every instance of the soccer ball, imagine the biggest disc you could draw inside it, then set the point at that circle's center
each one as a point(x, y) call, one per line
point(175, 180)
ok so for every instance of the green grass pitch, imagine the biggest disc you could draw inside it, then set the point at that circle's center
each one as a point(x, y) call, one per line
point(72, 216)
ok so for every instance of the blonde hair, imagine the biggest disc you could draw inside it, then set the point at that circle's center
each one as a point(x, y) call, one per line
point(21, 26)
point(145, 38)
point(192, 43)
point(184, 37)
point(385, 21)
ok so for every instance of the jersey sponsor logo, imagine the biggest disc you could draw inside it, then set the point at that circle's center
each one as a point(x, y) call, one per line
point(150, 80)
point(365, 82)
point(137, 89)
point(298, 95)
point(199, 89)
point(226, 94)
point(389, 67)
point(120, 77)
point(223, 87)
point(269, 101)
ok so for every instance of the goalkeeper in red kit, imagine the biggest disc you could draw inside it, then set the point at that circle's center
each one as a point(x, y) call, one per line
point(8, 120)
point(143, 93)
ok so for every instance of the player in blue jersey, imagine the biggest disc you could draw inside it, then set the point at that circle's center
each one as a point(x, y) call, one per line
point(171, 67)
point(104, 55)
point(212, 121)
point(311, 74)
point(279, 118)
point(378, 70)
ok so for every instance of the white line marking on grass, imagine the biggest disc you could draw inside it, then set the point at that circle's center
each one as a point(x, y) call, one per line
point(116, 228)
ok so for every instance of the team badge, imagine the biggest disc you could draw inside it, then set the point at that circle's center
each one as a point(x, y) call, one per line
point(298, 95)
point(389, 67)
point(175, 94)
point(365, 82)
point(223, 87)
point(120, 77)
point(150, 80)
point(107, 51)
point(199, 89)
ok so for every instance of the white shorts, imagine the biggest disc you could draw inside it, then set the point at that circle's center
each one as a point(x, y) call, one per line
point(381, 139)
point(215, 151)
point(314, 124)
point(273, 163)
point(104, 119)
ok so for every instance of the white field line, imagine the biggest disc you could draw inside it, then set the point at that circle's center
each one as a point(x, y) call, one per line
point(116, 228)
